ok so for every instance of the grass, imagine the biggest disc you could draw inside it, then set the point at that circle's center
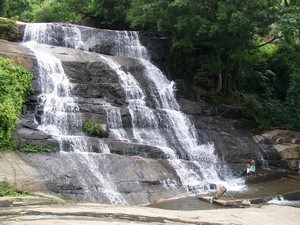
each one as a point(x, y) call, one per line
point(7, 190)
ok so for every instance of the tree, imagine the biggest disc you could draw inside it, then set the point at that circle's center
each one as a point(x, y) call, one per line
point(209, 38)
point(248, 50)
point(109, 14)
point(60, 11)
point(23, 9)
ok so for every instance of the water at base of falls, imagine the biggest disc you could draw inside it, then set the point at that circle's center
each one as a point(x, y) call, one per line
point(163, 125)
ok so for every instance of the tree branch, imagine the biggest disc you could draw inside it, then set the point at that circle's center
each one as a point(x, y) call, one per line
point(268, 42)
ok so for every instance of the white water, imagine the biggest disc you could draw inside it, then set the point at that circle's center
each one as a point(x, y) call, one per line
point(279, 200)
point(60, 115)
point(165, 126)
point(162, 125)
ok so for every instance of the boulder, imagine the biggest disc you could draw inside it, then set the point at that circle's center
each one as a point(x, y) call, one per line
point(285, 142)
point(18, 53)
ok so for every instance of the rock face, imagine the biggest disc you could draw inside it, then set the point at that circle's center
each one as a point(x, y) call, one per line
point(235, 139)
point(21, 55)
point(70, 177)
point(135, 173)
point(285, 142)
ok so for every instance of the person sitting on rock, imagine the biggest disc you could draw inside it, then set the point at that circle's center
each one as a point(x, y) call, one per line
point(252, 167)
point(248, 169)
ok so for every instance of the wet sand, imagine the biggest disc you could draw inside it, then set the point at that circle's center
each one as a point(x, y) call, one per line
point(90, 214)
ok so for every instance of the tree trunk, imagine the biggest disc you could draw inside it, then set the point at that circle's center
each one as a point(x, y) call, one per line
point(219, 86)
point(202, 91)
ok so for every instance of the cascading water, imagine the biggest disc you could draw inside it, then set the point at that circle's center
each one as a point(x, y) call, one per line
point(159, 123)
point(60, 115)
point(164, 125)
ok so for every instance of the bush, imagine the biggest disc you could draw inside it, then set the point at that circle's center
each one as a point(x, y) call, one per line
point(8, 29)
point(7, 190)
point(92, 128)
point(268, 113)
point(15, 85)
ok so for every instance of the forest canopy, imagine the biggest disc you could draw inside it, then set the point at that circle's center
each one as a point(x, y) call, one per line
point(246, 52)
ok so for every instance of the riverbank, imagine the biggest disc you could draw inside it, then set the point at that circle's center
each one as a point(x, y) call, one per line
point(39, 212)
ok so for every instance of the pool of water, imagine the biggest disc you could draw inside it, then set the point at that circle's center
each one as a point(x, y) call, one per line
point(274, 188)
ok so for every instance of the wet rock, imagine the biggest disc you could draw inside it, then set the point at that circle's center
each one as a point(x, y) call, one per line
point(141, 180)
point(131, 149)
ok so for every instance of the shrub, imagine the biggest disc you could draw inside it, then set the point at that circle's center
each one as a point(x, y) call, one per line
point(268, 113)
point(7, 190)
point(15, 85)
point(8, 29)
point(92, 128)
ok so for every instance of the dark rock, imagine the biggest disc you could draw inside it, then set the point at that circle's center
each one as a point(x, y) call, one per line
point(131, 149)
point(26, 133)
point(156, 45)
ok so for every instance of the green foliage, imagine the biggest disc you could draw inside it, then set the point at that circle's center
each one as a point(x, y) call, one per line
point(13, 8)
point(60, 11)
point(101, 13)
point(15, 85)
point(268, 113)
point(7, 190)
point(109, 14)
point(37, 149)
point(149, 15)
point(8, 29)
point(289, 21)
point(208, 112)
point(23, 9)
point(92, 128)
point(293, 101)
point(253, 44)
point(208, 37)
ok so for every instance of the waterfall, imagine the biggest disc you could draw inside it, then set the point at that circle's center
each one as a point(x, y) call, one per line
point(60, 115)
point(164, 125)
point(160, 124)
